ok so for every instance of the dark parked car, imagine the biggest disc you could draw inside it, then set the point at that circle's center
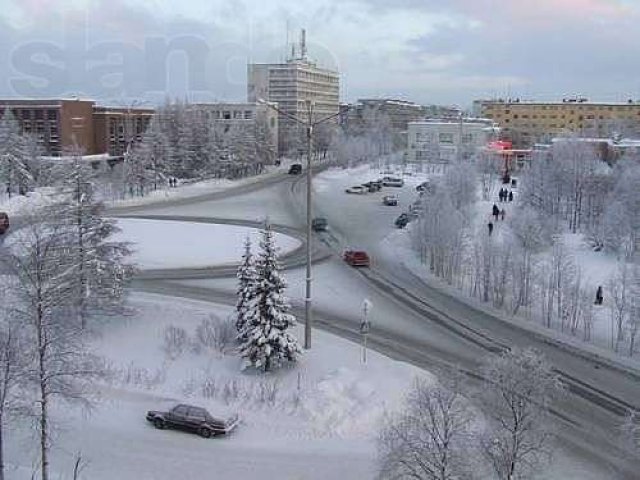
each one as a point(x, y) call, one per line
point(295, 169)
point(402, 220)
point(373, 186)
point(319, 224)
point(356, 258)
point(4, 222)
point(390, 200)
point(193, 419)
point(392, 182)
point(423, 187)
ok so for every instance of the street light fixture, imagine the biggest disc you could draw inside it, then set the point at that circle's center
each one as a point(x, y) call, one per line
point(309, 125)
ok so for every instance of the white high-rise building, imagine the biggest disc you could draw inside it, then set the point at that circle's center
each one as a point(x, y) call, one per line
point(290, 85)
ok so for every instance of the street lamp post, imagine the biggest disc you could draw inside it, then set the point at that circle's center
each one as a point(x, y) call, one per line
point(309, 125)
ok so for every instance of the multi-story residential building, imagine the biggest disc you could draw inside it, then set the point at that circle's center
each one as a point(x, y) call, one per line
point(61, 124)
point(256, 119)
point(399, 112)
point(527, 123)
point(290, 85)
point(442, 141)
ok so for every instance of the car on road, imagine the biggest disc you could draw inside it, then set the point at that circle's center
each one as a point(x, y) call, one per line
point(356, 258)
point(390, 200)
point(295, 169)
point(392, 182)
point(357, 189)
point(423, 187)
point(193, 419)
point(374, 186)
point(319, 224)
point(4, 222)
point(402, 220)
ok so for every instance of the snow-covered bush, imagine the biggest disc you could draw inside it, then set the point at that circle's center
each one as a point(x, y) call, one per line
point(215, 334)
point(174, 341)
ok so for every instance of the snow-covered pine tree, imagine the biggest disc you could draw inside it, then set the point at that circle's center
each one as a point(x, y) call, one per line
point(99, 263)
point(247, 279)
point(266, 340)
point(14, 151)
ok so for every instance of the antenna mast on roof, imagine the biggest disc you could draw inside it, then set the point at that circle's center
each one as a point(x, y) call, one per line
point(303, 44)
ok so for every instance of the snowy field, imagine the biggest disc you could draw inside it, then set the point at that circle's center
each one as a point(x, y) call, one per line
point(316, 421)
point(170, 244)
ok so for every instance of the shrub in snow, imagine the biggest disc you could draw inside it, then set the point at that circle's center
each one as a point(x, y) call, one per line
point(174, 341)
point(266, 343)
point(215, 334)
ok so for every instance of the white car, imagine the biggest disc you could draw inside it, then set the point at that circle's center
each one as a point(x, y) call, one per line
point(357, 189)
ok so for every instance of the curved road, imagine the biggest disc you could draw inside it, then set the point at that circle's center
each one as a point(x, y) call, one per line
point(599, 391)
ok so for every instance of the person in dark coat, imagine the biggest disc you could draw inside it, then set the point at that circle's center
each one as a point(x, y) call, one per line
point(511, 196)
point(599, 296)
point(495, 211)
point(490, 225)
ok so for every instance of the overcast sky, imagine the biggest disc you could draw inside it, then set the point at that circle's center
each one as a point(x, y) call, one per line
point(429, 51)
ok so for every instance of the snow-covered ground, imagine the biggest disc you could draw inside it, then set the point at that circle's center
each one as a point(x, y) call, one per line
point(171, 244)
point(320, 423)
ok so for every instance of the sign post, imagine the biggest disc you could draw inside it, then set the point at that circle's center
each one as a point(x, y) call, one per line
point(365, 327)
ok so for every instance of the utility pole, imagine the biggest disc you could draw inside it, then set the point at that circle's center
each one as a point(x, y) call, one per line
point(309, 125)
point(308, 313)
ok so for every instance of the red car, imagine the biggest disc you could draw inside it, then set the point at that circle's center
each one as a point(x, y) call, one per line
point(356, 258)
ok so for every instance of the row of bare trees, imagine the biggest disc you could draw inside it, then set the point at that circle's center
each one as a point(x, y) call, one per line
point(499, 428)
point(60, 267)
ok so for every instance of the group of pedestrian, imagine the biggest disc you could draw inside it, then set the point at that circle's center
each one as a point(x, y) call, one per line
point(173, 182)
point(505, 195)
point(498, 214)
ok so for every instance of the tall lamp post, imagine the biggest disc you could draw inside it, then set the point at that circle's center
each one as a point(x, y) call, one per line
point(309, 125)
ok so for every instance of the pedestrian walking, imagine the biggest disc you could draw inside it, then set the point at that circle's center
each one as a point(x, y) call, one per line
point(490, 225)
point(510, 196)
point(495, 211)
point(501, 195)
point(599, 296)
point(503, 212)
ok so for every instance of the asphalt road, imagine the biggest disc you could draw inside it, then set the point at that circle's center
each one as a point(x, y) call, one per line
point(599, 391)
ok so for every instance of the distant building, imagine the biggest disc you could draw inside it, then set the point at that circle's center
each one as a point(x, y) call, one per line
point(60, 124)
point(527, 123)
point(290, 85)
point(399, 112)
point(254, 118)
point(606, 149)
point(442, 141)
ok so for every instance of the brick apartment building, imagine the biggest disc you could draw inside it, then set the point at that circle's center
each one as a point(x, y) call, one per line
point(59, 124)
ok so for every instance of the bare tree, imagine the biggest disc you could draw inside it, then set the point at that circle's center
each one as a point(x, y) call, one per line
point(42, 272)
point(430, 439)
point(13, 370)
point(518, 389)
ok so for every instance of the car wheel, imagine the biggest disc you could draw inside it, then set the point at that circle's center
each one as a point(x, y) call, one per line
point(159, 423)
point(205, 432)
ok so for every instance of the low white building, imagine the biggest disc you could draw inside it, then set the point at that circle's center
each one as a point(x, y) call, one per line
point(443, 141)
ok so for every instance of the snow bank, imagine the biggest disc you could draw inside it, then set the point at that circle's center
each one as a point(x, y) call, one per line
point(170, 244)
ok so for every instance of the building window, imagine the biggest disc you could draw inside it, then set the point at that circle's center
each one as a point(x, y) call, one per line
point(226, 115)
point(446, 138)
point(248, 115)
